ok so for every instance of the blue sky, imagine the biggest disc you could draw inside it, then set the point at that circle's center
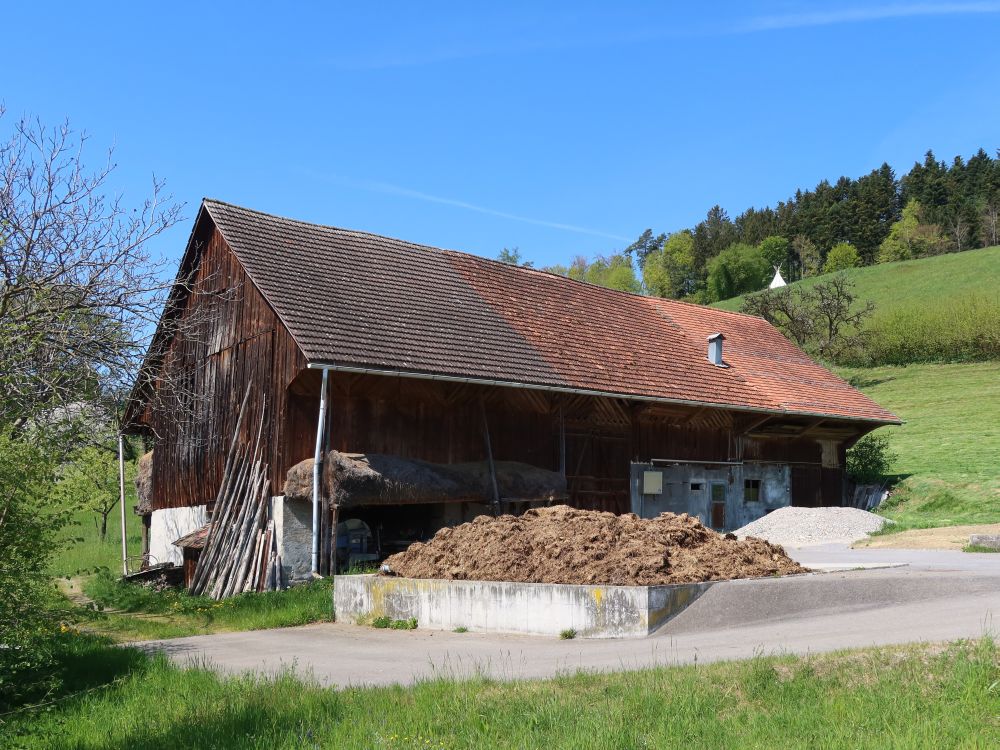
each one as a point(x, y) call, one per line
point(558, 128)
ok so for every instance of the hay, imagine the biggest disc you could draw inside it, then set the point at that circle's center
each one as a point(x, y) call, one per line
point(377, 479)
point(144, 484)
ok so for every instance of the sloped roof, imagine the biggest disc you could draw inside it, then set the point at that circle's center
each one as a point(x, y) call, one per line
point(361, 300)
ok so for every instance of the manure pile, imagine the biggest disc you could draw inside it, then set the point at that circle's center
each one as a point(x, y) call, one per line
point(560, 544)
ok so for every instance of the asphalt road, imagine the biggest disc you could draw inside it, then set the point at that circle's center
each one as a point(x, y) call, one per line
point(938, 596)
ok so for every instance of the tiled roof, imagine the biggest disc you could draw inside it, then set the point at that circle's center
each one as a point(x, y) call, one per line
point(357, 299)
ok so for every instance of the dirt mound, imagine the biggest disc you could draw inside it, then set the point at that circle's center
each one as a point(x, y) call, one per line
point(565, 545)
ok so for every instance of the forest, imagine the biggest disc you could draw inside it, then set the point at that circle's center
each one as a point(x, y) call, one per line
point(934, 208)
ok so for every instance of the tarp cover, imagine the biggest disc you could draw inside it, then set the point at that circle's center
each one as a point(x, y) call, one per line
point(379, 479)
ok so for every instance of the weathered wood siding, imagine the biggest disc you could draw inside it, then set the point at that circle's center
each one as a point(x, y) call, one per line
point(228, 339)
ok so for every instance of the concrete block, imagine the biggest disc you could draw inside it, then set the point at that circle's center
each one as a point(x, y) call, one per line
point(505, 607)
point(168, 525)
point(293, 532)
point(991, 541)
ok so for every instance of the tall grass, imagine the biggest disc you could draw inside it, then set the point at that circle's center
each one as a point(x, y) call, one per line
point(877, 698)
point(144, 613)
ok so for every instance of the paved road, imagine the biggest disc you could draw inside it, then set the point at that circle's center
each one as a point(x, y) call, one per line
point(939, 596)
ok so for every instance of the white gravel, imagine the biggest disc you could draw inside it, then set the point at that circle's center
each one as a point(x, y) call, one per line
point(802, 527)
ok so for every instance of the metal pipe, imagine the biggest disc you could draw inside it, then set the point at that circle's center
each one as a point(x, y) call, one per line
point(121, 500)
point(587, 392)
point(317, 473)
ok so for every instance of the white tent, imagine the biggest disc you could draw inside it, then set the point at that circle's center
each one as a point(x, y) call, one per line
point(777, 281)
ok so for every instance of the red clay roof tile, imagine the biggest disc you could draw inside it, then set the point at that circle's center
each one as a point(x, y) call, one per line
point(357, 299)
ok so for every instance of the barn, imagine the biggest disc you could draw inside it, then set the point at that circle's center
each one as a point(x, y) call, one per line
point(423, 364)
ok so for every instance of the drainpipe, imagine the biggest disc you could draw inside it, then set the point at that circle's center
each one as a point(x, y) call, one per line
point(317, 471)
point(121, 499)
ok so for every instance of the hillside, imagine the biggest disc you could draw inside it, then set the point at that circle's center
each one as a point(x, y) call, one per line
point(947, 450)
point(938, 309)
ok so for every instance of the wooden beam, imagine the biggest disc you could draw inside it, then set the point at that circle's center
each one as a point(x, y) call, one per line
point(756, 424)
point(489, 457)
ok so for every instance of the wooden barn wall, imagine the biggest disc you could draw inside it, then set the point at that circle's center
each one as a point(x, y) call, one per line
point(443, 423)
point(228, 338)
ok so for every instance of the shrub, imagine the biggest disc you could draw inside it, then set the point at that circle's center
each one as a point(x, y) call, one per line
point(841, 257)
point(568, 634)
point(868, 462)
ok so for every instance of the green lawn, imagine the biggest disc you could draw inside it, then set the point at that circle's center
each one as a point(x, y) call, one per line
point(84, 551)
point(949, 448)
point(903, 697)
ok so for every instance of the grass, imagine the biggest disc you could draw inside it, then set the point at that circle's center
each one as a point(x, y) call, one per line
point(386, 622)
point(947, 450)
point(900, 697)
point(567, 635)
point(84, 552)
point(979, 548)
point(945, 308)
point(144, 613)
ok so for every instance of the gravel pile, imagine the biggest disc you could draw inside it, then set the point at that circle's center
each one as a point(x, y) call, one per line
point(801, 527)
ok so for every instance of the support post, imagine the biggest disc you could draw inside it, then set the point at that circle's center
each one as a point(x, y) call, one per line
point(562, 443)
point(489, 457)
point(121, 500)
point(317, 472)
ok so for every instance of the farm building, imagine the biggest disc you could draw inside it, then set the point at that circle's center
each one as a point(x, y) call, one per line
point(452, 385)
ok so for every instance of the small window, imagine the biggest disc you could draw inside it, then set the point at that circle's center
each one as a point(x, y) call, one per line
point(696, 486)
point(751, 490)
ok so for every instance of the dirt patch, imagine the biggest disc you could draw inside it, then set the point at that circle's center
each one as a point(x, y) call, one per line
point(945, 537)
point(565, 545)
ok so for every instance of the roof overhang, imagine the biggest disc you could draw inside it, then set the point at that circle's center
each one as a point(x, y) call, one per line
point(361, 370)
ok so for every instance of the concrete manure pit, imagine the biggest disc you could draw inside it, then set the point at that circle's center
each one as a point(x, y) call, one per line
point(555, 569)
point(505, 607)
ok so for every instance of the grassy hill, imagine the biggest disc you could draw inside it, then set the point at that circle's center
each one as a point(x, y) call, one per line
point(940, 309)
point(936, 344)
point(947, 450)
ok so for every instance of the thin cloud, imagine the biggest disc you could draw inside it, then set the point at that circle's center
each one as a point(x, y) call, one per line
point(866, 14)
point(386, 188)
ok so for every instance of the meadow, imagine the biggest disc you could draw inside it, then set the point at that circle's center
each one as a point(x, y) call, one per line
point(940, 309)
point(899, 697)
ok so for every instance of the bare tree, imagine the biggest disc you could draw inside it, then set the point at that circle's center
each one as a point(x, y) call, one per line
point(825, 318)
point(78, 288)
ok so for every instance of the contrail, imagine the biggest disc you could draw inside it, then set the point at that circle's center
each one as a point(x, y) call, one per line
point(863, 14)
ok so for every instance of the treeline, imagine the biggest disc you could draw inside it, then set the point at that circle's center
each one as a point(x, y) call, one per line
point(934, 208)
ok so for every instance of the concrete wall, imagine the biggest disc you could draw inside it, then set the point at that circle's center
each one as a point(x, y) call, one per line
point(166, 526)
point(293, 529)
point(687, 488)
point(502, 607)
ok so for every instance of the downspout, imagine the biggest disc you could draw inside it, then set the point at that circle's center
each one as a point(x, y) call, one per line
point(317, 471)
point(121, 499)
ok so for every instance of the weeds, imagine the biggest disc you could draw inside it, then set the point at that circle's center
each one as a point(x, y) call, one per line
point(567, 635)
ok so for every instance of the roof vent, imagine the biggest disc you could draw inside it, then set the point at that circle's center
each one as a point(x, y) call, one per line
point(715, 349)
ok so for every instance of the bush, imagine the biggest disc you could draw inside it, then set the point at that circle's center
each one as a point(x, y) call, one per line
point(737, 270)
point(964, 331)
point(869, 461)
point(841, 257)
point(29, 529)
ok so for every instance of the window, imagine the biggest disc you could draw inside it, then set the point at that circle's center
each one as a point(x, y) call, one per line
point(696, 486)
point(751, 490)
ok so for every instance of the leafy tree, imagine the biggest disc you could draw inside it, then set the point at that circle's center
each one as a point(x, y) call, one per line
point(736, 270)
point(90, 482)
point(823, 319)
point(810, 258)
point(775, 249)
point(869, 460)
point(646, 243)
point(911, 238)
point(669, 271)
point(513, 257)
point(29, 534)
point(842, 256)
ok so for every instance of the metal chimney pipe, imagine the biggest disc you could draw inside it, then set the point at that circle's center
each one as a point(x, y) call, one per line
point(715, 349)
